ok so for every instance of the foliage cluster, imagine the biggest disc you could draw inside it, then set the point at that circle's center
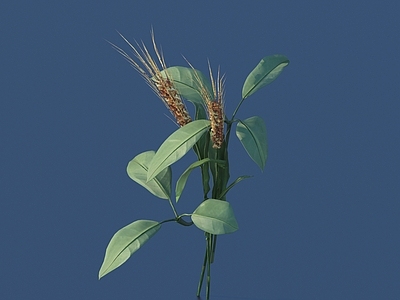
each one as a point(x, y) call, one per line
point(207, 134)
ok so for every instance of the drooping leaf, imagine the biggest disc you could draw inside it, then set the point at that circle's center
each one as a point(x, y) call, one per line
point(215, 216)
point(187, 82)
point(253, 136)
point(125, 242)
point(239, 179)
point(176, 146)
point(160, 186)
point(180, 184)
point(264, 73)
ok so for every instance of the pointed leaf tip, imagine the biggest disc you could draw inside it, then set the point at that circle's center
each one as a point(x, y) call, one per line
point(160, 186)
point(176, 146)
point(252, 133)
point(125, 242)
point(267, 70)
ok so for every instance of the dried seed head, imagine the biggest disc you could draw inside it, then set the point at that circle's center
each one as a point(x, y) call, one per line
point(159, 83)
point(216, 111)
point(214, 104)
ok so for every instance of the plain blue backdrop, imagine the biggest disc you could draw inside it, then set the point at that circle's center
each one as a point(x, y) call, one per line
point(322, 220)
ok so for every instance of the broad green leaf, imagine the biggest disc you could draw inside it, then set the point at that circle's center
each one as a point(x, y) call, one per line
point(253, 136)
point(180, 184)
point(160, 186)
point(187, 82)
point(239, 179)
point(125, 242)
point(264, 73)
point(215, 216)
point(176, 146)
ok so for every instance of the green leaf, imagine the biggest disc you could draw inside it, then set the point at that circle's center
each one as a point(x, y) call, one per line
point(160, 186)
point(125, 242)
point(253, 136)
point(176, 146)
point(219, 173)
point(264, 73)
point(200, 111)
point(187, 82)
point(215, 216)
point(239, 179)
point(180, 184)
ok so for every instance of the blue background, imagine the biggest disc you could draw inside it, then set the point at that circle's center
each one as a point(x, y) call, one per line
point(322, 220)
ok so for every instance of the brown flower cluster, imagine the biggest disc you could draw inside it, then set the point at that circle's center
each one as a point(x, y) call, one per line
point(215, 110)
point(164, 89)
point(160, 83)
point(215, 106)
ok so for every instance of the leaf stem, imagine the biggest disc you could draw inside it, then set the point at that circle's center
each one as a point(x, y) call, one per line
point(236, 109)
point(173, 207)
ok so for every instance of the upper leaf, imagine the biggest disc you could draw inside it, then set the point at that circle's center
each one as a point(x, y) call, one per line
point(215, 216)
point(176, 146)
point(237, 180)
point(188, 81)
point(200, 111)
point(180, 184)
point(252, 133)
point(160, 186)
point(125, 242)
point(264, 73)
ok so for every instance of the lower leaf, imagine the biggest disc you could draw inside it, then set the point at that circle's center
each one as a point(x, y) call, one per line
point(125, 242)
point(215, 216)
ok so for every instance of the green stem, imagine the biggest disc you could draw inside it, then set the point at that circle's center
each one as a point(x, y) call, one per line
point(220, 180)
point(181, 221)
point(203, 268)
point(237, 108)
point(204, 168)
point(214, 245)
point(165, 221)
point(209, 251)
point(173, 208)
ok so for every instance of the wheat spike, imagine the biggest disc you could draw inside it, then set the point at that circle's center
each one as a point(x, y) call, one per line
point(161, 85)
point(214, 104)
point(216, 110)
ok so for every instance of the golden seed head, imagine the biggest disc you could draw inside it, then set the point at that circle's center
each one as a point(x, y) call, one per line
point(214, 104)
point(159, 83)
point(215, 112)
point(215, 109)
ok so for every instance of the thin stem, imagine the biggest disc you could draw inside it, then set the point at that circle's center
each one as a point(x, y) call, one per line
point(214, 245)
point(209, 250)
point(218, 186)
point(203, 268)
point(165, 221)
point(181, 221)
point(237, 108)
point(173, 207)
point(204, 172)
